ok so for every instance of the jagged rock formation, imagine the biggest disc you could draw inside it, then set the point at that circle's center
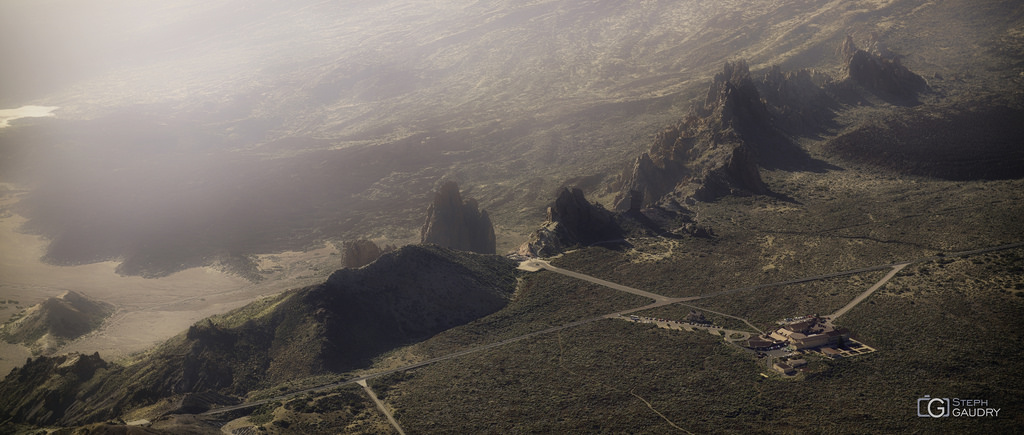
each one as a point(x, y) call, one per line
point(636, 201)
point(456, 223)
point(744, 124)
point(47, 325)
point(797, 100)
point(405, 296)
point(359, 253)
point(708, 153)
point(45, 389)
point(967, 140)
point(881, 71)
point(571, 221)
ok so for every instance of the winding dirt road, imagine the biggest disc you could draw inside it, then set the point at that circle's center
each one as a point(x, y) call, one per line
point(868, 292)
point(537, 264)
point(659, 300)
point(381, 407)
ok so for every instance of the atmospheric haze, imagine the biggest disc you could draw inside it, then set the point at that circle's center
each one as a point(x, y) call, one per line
point(182, 159)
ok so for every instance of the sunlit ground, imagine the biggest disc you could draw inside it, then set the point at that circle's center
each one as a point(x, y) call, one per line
point(8, 115)
point(148, 310)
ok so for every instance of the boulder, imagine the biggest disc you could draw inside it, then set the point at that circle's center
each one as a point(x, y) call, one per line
point(359, 253)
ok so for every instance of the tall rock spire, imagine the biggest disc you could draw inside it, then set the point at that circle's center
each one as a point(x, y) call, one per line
point(456, 223)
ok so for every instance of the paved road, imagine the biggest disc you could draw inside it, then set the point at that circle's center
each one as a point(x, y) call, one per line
point(381, 407)
point(895, 269)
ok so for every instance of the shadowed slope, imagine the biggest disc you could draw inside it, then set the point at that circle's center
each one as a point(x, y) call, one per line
point(405, 296)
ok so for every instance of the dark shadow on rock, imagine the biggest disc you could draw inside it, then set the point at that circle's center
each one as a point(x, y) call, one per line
point(775, 151)
point(880, 72)
point(573, 221)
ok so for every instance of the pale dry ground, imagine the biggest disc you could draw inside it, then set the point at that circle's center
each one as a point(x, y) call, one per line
point(148, 310)
point(8, 115)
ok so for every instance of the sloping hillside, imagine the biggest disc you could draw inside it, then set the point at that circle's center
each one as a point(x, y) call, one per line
point(976, 140)
point(46, 326)
point(379, 100)
point(405, 296)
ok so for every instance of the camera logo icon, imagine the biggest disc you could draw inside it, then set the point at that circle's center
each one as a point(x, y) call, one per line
point(934, 407)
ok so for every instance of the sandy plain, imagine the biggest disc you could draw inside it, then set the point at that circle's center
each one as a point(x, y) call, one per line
point(148, 310)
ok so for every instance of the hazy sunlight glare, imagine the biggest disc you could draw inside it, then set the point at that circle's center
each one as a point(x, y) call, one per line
point(8, 115)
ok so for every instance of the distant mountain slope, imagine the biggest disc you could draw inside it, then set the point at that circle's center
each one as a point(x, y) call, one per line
point(406, 295)
point(45, 326)
point(170, 169)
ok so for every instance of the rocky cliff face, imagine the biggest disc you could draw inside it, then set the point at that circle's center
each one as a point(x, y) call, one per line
point(456, 223)
point(797, 100)
point(403, 296)
point(881, 71)
point(744, 124)
point(46, 326)
point(571, 221)
point(710, 152)
point(41, 391)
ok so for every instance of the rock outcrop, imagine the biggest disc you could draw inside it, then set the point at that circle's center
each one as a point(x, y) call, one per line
point(45, 388)
point(359, 253)
point(342, 324)
point(571, 221)
point(881, 72)
point(710, 152)
point(456, 223)
point(46, 326)
point(745, 124)
point(797, 100)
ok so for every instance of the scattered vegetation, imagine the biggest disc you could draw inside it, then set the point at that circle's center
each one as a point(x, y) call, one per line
point(945, 328)
point(945, 342)
point(543, 300)
point(346, 409)
point(47, 325)
point(764, 307)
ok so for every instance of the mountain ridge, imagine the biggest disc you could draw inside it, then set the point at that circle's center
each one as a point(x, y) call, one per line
point(405, 296)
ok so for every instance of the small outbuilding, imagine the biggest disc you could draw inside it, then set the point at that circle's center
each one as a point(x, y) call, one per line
point(760, 343)
point(784, 368)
